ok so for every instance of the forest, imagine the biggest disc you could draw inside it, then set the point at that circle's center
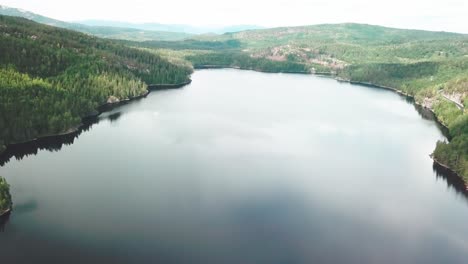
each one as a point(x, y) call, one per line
point(428, 66)
point(51, 78)
point(5, 197)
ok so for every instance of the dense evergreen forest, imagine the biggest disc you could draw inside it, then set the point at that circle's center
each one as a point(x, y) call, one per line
point(244, 61)
point(430, 66)
point(50, 78)
point(111, 32)
point(5, 197)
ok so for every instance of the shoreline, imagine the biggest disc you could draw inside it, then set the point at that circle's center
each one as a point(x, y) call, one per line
point(86, 120)
point(450, 170)
point(336, 78)
point(157, 87)
point(339, 79)
point(436, 119)
point(214, 67)
point(6, 212)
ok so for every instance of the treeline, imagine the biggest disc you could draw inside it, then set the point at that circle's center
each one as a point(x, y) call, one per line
point(455, 153)
point(390, 74)
point(50, 78)
point(422, 64)
point(244, 61)
point(189, 44)
point(225, 53)
point(46, 51)
point(5, 197)
point(411, 78)
point(427, 80)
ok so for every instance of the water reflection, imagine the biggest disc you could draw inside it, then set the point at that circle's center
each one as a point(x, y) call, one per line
point(26, 207)
point(55, 143)
point(4, 221)
point(425, 113)
point(215, 181)
point(429, 115)
point(454, 182)
point(52, 144)
point(114, 117)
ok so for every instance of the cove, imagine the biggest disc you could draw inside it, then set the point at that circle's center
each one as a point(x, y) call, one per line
point(241, 167)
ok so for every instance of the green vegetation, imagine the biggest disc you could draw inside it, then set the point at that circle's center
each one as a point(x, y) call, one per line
point(430, 66)
point(191, 44)
point(130, 33)
point(170, 27)
point(244, 61)
point(50, 78)
point(5, 197)
point(111, 32)
point(455, 153)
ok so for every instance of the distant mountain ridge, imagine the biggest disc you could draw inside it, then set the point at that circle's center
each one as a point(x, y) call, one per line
point(50, 77)
point(430, 66)
point(112, 32)
point(10, 11)
point(126, 30)
point(171, 27)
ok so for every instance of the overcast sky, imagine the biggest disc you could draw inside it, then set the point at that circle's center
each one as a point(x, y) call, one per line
point(446, 15)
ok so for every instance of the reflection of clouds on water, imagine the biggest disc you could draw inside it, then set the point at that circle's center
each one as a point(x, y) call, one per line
point(412, 224)
point(398, 109)
point(328, 128)
point(225, 179)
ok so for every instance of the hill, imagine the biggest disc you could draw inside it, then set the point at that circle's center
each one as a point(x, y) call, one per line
point(99, 31)
point(430, 66)
point(171, 27)
point(50, 78)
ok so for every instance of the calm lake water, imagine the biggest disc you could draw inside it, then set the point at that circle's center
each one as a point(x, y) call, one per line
point(242, 167)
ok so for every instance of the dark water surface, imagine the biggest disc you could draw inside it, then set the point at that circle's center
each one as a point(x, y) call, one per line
point(242, 167)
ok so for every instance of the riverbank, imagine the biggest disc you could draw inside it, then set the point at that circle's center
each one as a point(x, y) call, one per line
point(156, 87)
point(340, 79)
point(88, 119)
point(435, 117)
point(5, 212)
point(401, 93)
point(208, 67)
point(110, 105)
point(446, 167)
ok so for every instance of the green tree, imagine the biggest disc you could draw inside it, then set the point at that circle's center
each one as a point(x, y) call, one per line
point(5, 197)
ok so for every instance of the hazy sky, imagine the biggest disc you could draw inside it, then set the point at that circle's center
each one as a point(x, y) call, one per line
point(447, 15)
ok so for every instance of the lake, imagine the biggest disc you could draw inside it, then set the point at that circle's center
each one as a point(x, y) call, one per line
point(241, 167)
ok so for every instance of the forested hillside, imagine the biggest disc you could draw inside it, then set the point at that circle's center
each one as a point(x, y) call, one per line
point(111, 32)
point(430, 66)
point(190, 29)
point(50, 78)
point(72, 73)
